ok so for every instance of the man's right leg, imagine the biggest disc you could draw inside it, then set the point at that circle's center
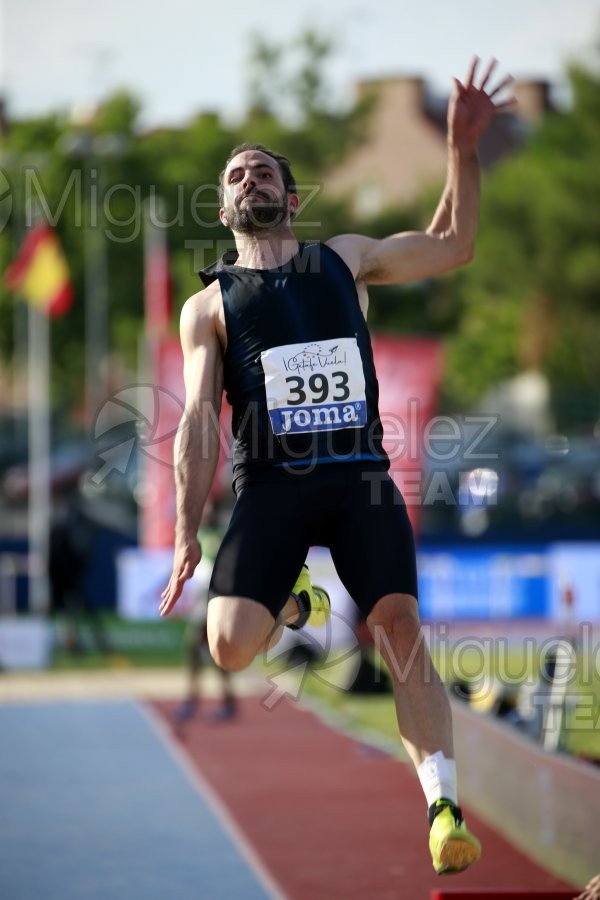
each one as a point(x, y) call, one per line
point(238, 630)
point(252, 585)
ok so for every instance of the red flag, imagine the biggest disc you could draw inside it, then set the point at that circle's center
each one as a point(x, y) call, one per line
point(40, 273)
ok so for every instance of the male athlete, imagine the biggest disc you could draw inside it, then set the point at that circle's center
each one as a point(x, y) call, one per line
point(281, 326)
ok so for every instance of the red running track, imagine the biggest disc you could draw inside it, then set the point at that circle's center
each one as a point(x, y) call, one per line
point(332, 818)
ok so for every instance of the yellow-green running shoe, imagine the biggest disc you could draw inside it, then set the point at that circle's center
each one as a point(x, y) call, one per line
point(452, 847)
point(313, 602)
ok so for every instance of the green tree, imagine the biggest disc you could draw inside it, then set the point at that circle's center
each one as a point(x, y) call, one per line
point(531, 297)
point(291, 107)
point(102, 169)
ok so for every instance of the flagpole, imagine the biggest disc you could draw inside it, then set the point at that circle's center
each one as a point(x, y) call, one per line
point(38, 512)
point(96, 307)
point(40, 275)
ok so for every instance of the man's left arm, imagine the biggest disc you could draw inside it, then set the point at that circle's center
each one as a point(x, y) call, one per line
point(450, 239)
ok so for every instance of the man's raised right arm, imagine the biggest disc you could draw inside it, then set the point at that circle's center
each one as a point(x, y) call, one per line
point(197, 440)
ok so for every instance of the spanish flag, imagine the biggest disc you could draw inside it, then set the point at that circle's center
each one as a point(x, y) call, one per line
point(40, 273)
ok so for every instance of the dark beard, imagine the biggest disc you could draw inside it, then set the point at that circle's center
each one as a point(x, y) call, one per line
point(250, 219)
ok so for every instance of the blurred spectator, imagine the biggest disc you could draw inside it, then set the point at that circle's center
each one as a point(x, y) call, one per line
point(71, 537)
point(541, 705)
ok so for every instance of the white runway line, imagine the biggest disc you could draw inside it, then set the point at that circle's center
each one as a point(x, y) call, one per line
point(218, 808)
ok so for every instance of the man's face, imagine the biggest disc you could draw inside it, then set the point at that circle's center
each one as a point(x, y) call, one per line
point(255, 197)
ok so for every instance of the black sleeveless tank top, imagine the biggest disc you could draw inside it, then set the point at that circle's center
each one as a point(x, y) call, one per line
point(298, 369)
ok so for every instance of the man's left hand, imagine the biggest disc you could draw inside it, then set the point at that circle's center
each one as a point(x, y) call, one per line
point(472, 107)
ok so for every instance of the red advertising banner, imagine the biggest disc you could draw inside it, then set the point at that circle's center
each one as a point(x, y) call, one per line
point(409, 371)
point(158, 497)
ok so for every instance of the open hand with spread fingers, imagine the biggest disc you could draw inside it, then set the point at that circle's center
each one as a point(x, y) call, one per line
point(472, 106)
point(591, 891)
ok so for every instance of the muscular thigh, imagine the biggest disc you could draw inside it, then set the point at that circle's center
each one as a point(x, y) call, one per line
point(264, 547)
point(373, 547)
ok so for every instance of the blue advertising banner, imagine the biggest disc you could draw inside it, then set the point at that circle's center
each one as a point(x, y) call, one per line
point(483, 582)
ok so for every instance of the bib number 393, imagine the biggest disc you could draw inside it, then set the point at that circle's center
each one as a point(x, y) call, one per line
point(315, 387)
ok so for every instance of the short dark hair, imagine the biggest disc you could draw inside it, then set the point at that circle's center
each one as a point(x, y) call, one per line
point(289, 182)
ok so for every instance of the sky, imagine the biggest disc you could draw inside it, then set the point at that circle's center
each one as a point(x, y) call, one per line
point(185, 56)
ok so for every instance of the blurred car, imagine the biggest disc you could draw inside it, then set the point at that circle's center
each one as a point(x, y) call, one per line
point(520, 486)
point(67, 463)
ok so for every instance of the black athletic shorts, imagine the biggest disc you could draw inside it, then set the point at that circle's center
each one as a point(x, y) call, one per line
point(355, 509)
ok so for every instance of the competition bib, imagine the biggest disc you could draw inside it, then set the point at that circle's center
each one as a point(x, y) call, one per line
point(315, 387)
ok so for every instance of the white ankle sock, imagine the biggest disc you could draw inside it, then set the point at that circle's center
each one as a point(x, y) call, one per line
point(437, 775)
